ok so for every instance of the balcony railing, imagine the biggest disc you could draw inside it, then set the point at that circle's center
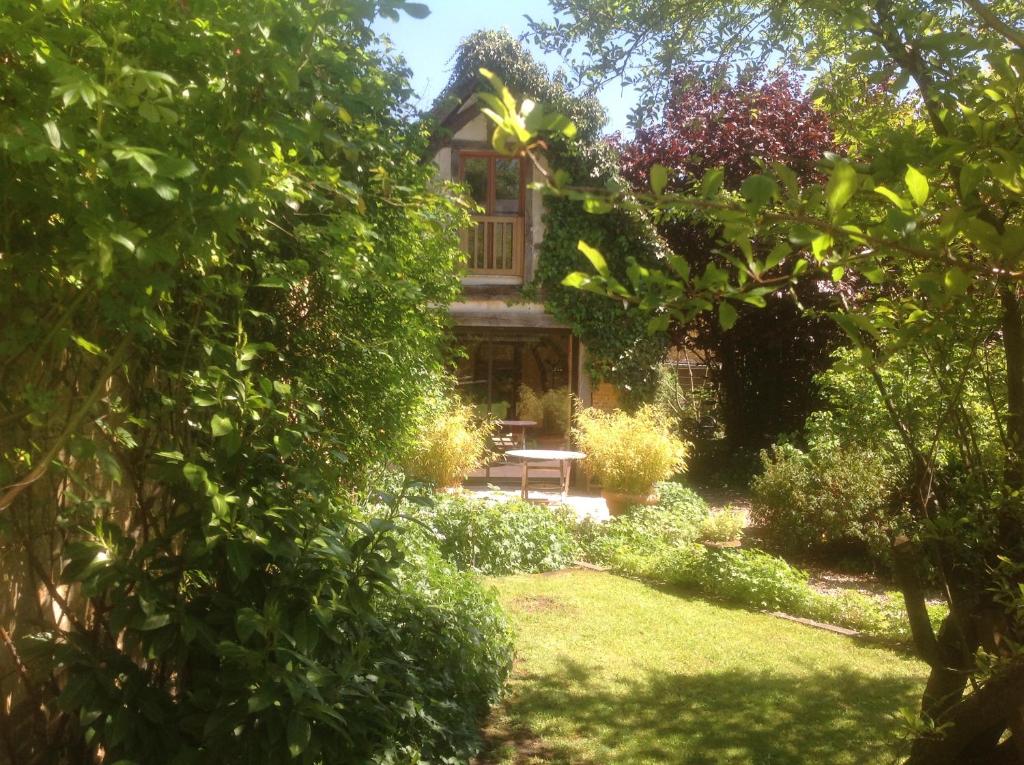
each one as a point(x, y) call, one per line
point(495, 246)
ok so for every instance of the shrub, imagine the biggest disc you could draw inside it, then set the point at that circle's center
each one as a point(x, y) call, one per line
point(629, 453)
point(824, 498)
point(550, 410)
point(448, 445)
point(501, 537)
point(726, 525)
point(754, 578)
point(675, 519)
point(445, 620)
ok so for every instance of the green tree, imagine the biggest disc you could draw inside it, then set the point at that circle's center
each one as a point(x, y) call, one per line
point(223, 280)
point(925, 211)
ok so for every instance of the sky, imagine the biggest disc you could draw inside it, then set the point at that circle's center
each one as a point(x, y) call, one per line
point(428, 44)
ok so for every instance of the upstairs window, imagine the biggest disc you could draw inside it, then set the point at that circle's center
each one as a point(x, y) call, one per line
point(495, 244)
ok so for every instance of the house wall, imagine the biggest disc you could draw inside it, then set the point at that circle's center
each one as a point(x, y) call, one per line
point(475, 136)
point(495, 301)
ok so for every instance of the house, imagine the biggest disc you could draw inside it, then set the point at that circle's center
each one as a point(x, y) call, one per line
point(520, 362)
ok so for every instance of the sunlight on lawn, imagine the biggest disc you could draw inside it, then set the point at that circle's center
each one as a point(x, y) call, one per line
point(614, 671)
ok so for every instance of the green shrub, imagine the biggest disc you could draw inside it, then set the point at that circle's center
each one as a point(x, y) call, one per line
point(754, 578)
point(825, 498)
point(444, 619)
point(626, 452)
point(501, 537)
point(676, 518)
point(450, 442)
point(726, 525)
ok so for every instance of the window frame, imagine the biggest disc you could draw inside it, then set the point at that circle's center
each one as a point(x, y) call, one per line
point(492, 157)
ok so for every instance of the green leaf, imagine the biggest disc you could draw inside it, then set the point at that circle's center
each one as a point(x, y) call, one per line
point(956, 281)
point(52, 133)
point(221, 426)
point(659, 178)
point(726, 315)
point(299, 734)
point(893, 197)
point(87, 346)
point(759, 190)
point(842, 185)
point(576, 280)
point(596, 258)
point(154, 622)
point(917, 184)
point(596, 206)
point(712, 182)
point(416, 10)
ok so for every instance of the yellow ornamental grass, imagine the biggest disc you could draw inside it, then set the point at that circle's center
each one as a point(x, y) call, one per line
point(448, 446)
point(629, 453)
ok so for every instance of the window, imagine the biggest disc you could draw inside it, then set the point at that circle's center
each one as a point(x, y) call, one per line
point(498, 184)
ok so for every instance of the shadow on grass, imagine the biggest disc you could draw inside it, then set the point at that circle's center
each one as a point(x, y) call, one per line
point(754, 717)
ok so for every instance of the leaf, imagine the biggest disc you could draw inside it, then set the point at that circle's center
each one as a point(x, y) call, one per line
point(124, 241)
point(221, 426)
point(893, 197)
point(956, 281)
point(659, 178)
point(416, 10)
point(576, 280)
point(917, 184)
point(87, 346)
point(596, 206)
point(759, 190)
point(712, 182)
point(52, 133)
point(166, 191)
point(726, 315)
point(841, 186)
point(298, 734)
point(596, 258)
point(154, 622)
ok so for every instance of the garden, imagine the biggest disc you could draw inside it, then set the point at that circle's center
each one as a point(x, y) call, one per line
point(235, 524)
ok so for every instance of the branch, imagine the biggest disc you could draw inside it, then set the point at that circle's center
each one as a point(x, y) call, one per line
point(36, 473)
point(996, 24)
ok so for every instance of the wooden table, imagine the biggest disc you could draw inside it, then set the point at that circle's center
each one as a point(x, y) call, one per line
point(520, 426)
point(564, 459)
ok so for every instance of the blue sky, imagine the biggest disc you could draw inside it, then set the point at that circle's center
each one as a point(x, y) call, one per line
point(428, 44)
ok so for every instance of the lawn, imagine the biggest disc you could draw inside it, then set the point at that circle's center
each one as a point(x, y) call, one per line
point(611, 670)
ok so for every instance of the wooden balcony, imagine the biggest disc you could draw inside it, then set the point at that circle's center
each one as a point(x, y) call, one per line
point(495, 246)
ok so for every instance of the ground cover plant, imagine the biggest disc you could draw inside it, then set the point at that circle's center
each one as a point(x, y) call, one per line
point(495, 537)
point(612, 670)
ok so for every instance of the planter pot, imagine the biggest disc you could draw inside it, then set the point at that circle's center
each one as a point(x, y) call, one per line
point(619, 502)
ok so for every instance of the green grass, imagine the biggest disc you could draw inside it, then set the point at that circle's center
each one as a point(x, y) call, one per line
point(611, 670)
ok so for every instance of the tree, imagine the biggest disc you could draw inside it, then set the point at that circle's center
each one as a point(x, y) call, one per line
point(223, 284)
point(764, 364)
point(929, 212)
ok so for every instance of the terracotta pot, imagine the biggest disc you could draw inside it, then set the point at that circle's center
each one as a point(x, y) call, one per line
point(619, 502)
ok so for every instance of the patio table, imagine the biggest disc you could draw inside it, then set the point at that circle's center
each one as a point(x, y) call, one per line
point(564, 459)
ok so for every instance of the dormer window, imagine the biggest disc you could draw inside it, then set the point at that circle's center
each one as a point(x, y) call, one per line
point(495, 244)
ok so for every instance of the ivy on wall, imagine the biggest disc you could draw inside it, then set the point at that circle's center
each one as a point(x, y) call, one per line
point(619, 348)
